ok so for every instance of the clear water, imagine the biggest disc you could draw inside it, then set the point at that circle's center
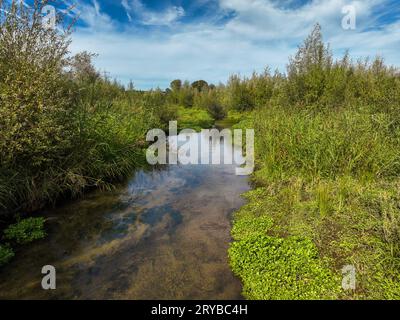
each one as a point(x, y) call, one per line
point(162, 235)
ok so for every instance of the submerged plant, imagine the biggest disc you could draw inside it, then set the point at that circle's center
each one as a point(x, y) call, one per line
point(6, 254)
point(26, 231)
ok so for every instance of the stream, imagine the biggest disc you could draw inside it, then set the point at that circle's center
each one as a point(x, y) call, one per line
point(164, 234)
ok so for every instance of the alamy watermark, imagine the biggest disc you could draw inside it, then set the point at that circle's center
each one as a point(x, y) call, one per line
point(48, 13)
point(349, 277)
point(49, 280)
point(349, 21)
point(49, 17)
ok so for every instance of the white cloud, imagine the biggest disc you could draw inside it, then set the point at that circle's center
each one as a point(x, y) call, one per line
point(149, 17)
point(95, 20)
point(264, 19)
point(260, 34)
point(96, 7)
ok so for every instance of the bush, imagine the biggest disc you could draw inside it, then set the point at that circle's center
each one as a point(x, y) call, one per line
point(155, 102)
point(308, 70)
point(35, 100)
point(185, 96)
point(64, 128)
point(209, 100)
point(36, 103)
point(240, 97)
point(26, 231)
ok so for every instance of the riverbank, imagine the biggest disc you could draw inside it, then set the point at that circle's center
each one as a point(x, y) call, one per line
point(325, 199)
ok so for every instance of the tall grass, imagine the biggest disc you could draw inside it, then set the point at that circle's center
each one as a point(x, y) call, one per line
point(327, 181)
point(354, 142)
point(63, 126)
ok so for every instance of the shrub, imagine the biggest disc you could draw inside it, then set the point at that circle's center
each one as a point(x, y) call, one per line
point(308, 70)
point(262, 87)
point(240, 97)
point(209, 100)
point(64, 127)
point(35, 100)
point(185, 96)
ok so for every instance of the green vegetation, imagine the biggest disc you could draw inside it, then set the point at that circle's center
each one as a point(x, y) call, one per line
point(25, 231)
point(327, 180)
point(285, 269)
point(327, 154)
point(65, 127)
point(232, 119)
point(6, 254)
point(194, 118)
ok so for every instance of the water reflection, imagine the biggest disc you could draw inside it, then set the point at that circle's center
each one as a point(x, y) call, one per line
point(163, 235)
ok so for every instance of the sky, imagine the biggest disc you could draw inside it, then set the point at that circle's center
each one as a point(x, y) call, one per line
point(154, 42)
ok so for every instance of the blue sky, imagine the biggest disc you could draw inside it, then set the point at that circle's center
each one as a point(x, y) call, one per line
point(153, 42)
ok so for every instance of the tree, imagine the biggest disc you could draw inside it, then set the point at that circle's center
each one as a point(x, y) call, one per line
point(200, 85)
point(176, 85)
point(240, 96)
point(35, 95)
point(309, 69)
point(131, 86)
point(186, 95)
point(82, 68)
point(213, 105)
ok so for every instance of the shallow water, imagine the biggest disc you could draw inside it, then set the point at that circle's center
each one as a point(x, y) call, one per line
point(162, 235)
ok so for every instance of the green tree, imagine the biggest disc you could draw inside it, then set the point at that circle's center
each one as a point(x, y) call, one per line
point(309, 70)
point(176, 85)
point(213, 105)
point(239, 94)
point(82, 69)
point(35, 99)
point(200, 85)
point(186, 95)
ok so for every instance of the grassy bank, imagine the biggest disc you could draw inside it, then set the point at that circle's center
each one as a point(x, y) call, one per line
point(326, 186)
point(326, 196)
